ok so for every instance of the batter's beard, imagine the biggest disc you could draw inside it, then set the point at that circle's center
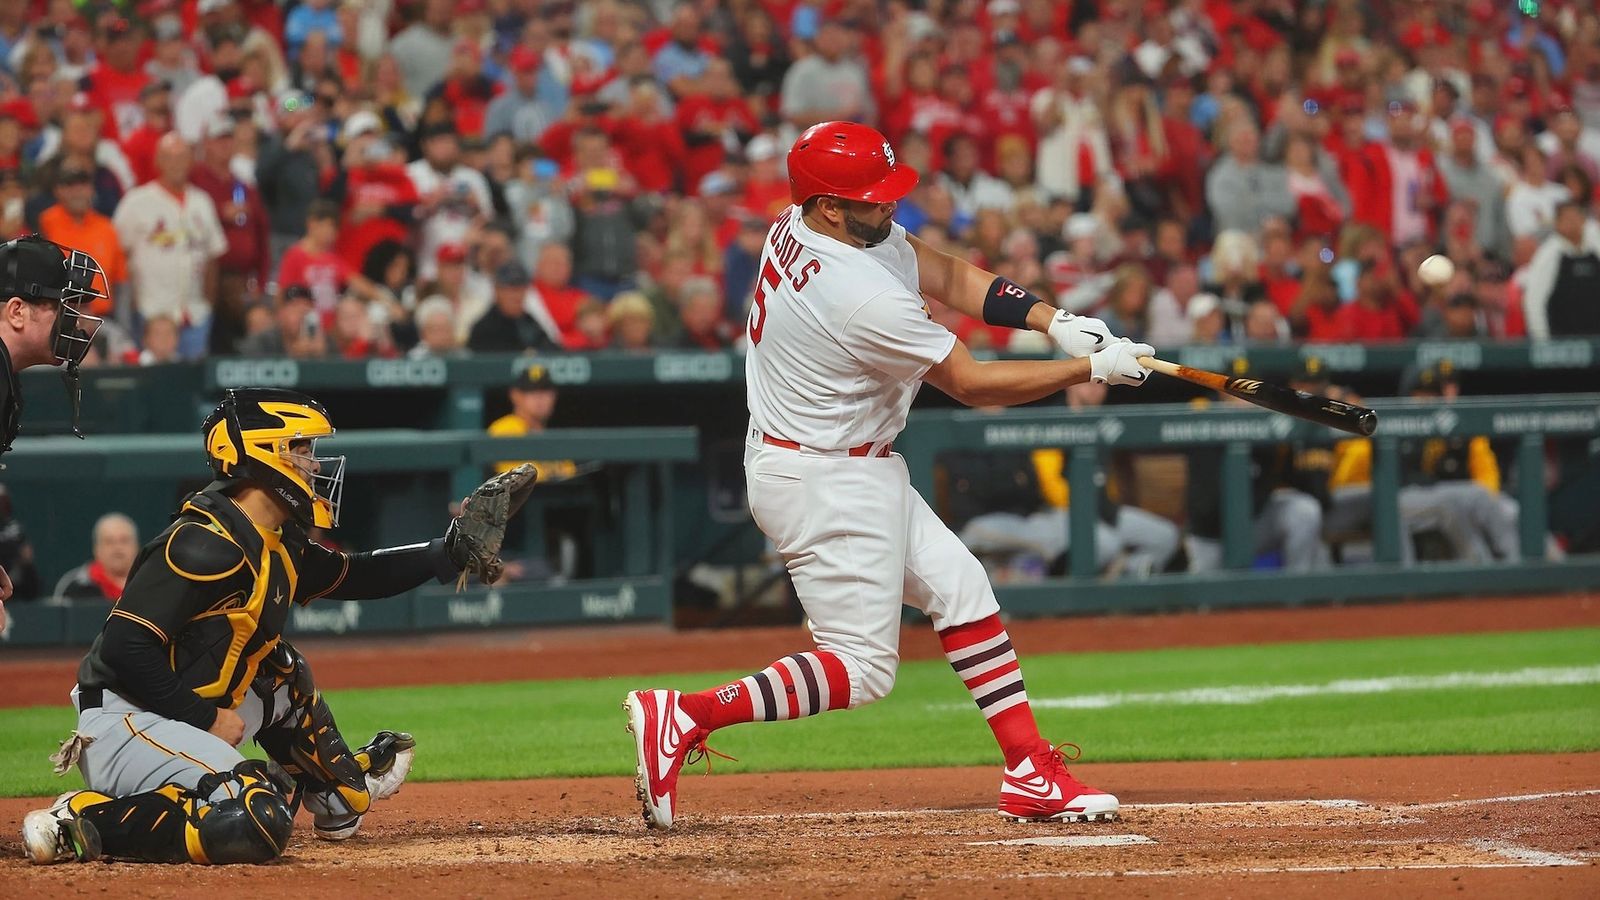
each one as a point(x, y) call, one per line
point(861, 231)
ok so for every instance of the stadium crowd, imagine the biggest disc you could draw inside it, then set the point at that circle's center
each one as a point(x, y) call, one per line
point(350, 178)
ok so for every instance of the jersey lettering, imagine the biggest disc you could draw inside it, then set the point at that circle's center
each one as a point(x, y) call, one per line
point(811, 268)
point(758, 315)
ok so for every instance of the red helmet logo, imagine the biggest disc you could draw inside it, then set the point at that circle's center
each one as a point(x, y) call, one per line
point(849, 160)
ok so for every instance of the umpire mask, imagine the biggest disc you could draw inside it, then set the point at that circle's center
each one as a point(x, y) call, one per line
point(41, 271)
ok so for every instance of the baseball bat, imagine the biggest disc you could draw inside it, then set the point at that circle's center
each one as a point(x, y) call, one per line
point(1301, 405)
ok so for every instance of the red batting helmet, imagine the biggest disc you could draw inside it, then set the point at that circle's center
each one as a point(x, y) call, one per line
point(849, 160)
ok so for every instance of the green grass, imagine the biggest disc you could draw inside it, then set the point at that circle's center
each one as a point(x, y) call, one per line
point(532, 729)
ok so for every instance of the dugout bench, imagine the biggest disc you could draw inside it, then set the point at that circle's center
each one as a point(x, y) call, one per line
point(1174, 428)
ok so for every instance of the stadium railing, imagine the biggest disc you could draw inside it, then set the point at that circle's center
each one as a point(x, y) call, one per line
point(640, 458)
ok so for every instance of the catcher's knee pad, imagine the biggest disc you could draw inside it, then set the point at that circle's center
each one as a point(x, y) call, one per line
point(177, 824)
point(254, 828)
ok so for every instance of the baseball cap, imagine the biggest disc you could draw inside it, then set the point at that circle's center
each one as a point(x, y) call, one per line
point(297, 292)
point(535, 377)
point(20, 109)
point(523, 59)
point(74, 175)
point(452, 253)
point(762, 147)
point(220, 126)
point(717, 183)
point(512, 274)
point(363, 121)
point(1081, 225)
point(1202, 305)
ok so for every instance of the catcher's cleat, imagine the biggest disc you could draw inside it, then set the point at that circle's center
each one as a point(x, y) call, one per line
point(385, 761)
point(57, 834)
point(1040, 789)
point(664, 738)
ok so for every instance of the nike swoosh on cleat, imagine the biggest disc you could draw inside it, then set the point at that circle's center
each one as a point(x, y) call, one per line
point(1037, 786)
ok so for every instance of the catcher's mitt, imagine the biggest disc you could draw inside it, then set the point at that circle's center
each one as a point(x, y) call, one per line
point(474, 537)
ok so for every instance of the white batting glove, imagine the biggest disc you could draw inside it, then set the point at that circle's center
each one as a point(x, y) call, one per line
point(1119, 363)
point(1079, 336)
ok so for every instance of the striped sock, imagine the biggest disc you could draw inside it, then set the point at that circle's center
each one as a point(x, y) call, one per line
point(802, 684)
point(981, 654)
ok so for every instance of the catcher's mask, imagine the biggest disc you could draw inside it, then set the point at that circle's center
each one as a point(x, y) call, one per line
point(269, 436)
point(42, 271)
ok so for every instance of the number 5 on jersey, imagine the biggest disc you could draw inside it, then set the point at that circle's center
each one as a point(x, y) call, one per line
point(758, 315)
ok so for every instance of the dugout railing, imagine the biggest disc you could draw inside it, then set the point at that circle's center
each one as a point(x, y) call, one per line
point(1527, 421)
point(65, 479)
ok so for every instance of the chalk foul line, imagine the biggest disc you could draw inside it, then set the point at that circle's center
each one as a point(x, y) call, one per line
point(1246, 694)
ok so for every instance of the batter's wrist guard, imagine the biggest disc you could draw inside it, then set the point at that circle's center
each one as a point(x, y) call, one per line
point(1007, 304)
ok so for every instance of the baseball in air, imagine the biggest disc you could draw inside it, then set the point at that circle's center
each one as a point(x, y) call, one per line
point(1436, 270)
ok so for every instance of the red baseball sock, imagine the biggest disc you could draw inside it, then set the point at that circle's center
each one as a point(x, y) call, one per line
point(981, 654)
point(803, 684)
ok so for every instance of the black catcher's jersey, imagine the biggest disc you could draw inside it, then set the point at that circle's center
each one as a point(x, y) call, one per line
point(208, 599)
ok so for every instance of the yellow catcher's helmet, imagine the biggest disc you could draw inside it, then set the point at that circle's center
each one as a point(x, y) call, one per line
point(268, 436)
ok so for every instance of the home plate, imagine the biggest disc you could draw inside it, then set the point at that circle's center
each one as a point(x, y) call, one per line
point(1074, 840)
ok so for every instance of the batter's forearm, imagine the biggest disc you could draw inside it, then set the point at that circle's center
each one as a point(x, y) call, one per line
point(1008, 382)
point(965, 287)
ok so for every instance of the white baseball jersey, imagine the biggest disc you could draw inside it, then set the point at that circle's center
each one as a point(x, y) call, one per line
point(839, 338)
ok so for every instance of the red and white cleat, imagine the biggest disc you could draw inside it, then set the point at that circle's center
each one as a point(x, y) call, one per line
point(664, 738)
point(1040, 789)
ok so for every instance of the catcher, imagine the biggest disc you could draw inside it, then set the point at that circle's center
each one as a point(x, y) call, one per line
point(190, 662)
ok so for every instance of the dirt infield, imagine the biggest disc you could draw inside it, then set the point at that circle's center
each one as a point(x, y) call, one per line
point(1514, 825)
point(1508, 825)
point(43, 678)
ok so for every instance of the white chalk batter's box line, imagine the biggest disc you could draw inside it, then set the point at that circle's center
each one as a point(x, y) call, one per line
point(901, 813)
point(1213, 804)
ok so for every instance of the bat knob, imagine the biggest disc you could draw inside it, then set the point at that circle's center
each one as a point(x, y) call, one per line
point(1368, 422)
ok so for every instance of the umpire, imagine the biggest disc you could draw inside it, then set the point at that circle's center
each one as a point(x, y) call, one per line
point(44, 286)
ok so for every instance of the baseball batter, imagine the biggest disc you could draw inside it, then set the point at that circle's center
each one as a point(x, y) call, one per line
point(840, 341)
point(191, 662)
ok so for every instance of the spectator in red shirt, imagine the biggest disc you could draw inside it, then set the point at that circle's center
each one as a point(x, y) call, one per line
point(139, 145)
point(312, 263)
point(1375, 315)
point(911, 97)
point(1005, 108)
point(117, 78)
point(552, 289)
point(712, 120)
point(1405, 194)
point(466, 89)
point(243, 269)
point(651, 146)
